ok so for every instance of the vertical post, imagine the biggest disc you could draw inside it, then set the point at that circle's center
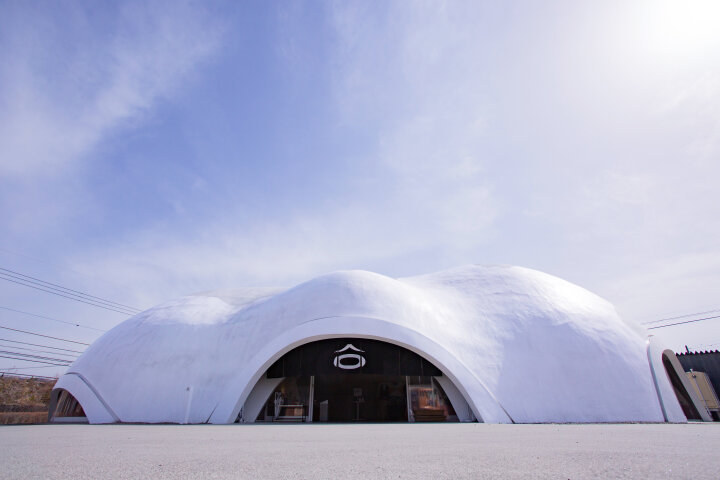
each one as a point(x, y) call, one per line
point(311, 399)
point(411, 416)
point(188, 403)
point(278, 403)
point(655, 382)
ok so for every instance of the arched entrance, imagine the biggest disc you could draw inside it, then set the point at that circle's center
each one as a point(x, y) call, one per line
point(64, 408)
point(475, 401)
point(352, 379)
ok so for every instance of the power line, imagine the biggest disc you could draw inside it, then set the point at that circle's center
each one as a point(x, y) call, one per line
point(39, 351)
point(70, 291)
point(39, 357)
point(41, 335)
point(4, 372)
point(27, 368)
point(65, 296)
point(37, 345)
point(681, 316)
point(53, 319)
point(682, 323)
point(68, 297)
point(56, 265)
point(37, 361)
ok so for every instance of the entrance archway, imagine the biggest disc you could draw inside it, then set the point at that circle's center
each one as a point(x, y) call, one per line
point(457, 377)
point(64, 407)
point(352, 379)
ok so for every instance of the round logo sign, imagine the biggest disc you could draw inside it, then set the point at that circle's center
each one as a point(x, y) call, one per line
point(349, 361)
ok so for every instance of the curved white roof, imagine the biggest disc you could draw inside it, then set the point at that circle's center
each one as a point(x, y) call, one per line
point(520, 345)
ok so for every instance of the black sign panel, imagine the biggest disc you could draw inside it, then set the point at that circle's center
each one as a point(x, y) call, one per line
point(350, 356)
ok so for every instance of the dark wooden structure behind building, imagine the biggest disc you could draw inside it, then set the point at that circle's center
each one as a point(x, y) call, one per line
point(708, 362)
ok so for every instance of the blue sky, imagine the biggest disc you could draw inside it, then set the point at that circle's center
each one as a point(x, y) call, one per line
point(154, 149)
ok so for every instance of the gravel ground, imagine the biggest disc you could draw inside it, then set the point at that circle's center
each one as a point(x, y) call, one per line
point(361, 451)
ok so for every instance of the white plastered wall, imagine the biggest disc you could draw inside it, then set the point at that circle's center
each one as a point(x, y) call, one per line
point(518, 344)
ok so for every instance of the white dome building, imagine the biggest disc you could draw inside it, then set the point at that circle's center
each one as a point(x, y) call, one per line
point(492, 344)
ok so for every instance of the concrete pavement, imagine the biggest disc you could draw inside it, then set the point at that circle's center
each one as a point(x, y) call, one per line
point(348, 451)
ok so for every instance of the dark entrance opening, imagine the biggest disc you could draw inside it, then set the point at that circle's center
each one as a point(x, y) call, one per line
point(354, 379)
point(364, 397)
point(65, 408)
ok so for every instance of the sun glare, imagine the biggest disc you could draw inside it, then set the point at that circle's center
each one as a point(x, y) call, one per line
point(683, 27)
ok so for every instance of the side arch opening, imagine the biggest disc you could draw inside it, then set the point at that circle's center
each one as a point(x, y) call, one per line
point(686, 397)
point(347, 379)
point(65, 408)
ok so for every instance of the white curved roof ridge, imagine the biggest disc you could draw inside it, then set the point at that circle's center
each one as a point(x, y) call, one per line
point(544, 349)
point(207, 307)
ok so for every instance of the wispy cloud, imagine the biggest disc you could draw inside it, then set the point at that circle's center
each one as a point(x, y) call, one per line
point(74, 77)
point(422, 196)
point(410, 73)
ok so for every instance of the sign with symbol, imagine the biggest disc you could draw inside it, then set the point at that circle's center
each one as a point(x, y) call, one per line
point(350, 356)
point(349, 361)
